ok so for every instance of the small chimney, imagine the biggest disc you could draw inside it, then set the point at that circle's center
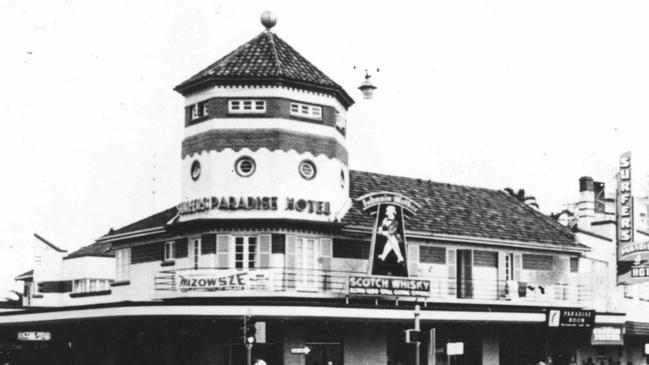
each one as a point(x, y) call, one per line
point(586, 204)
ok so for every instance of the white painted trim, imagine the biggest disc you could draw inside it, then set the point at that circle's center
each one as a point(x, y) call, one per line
point(265, 123)
point(478, 240)
point(264, 92)
point(343, 211)
point(138, 233)
point(610, 319)
point(272, 311)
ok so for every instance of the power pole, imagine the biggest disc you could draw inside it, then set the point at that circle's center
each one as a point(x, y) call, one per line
point(248, 335)
point(418, 329)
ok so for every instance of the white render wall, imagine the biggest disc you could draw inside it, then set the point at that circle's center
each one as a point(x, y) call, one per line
point(88, 267)
point(47, 262)
point(276, 174)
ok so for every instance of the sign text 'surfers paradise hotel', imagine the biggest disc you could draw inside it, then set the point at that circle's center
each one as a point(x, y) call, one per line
point(253, 203)
point(632, 256)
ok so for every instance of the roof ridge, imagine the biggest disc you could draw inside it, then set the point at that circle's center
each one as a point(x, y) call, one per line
point(546, 219)
point(278, 62)
point(423, 179)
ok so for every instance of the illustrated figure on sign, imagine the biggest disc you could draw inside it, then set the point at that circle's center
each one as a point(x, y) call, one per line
point(389, 228)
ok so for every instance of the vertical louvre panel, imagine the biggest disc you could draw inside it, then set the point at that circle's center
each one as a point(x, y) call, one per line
point(326, 247)
point(485, 258)
point(208, 244)
point(290, 261)
point(413, 259)
point(501, 273)
point(538, 262)
point(432, 255)
point(263, 255)
point(222, 251)
point(146, 253)
point(452, 272)
point(517, 266)
point(290, 251)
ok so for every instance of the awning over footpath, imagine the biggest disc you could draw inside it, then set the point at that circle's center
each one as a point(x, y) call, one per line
point(124, 310)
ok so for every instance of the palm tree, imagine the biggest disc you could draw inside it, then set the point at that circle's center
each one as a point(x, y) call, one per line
point(521, 197)
point(18, 302)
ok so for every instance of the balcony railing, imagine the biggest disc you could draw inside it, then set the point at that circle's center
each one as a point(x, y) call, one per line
point(321, 283)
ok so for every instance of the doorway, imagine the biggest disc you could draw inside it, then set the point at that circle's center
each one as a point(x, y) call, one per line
point(464, 274)
point(324, 353)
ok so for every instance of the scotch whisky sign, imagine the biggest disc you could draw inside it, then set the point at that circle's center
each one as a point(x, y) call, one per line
point(388, 249)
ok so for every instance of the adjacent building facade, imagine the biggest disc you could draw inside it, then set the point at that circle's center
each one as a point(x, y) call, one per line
point(329, 262)
point(594, 220)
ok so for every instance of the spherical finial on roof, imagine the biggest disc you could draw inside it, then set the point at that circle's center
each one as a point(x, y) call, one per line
point(268, 19)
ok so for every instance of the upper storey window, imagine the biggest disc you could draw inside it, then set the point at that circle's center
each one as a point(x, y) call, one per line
point(199, 110)
point(306, 111)
point(247, 106)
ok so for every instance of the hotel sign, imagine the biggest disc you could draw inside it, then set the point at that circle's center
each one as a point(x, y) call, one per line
point(632, 256)
point(575, 318)
point(210, 280)
point(231, 203)
point(624, 205)
point(387, 286)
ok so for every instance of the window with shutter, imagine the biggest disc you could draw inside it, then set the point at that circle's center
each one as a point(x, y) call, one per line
point(326, 246)
point(264, 250)
point(290, 261)
point(517, 266)
point(222, 251)
point(452, 272)
point(413, 259)
point(538, 262)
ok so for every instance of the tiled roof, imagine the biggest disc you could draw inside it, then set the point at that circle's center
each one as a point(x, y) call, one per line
point(265, 59)
point(101, 249)
point(157, 220)
point(445, 209)
point(104, 249)
point(460, 211)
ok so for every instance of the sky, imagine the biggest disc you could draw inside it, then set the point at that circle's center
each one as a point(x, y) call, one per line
point(521, 94)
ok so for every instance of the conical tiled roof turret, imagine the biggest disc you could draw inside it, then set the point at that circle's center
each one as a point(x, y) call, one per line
point(265, 60)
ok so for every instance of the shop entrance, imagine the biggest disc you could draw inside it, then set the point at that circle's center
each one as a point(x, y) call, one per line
point(324, 353)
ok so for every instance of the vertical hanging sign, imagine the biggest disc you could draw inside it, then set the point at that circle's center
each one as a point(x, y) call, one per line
point(632, 256)
point(388, 249)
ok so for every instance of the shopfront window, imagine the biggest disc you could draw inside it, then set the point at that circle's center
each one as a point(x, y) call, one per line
point(90, 285)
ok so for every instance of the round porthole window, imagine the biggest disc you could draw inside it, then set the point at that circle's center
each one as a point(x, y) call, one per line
point(245, 166)
point(195, 170)
point(307, 169)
